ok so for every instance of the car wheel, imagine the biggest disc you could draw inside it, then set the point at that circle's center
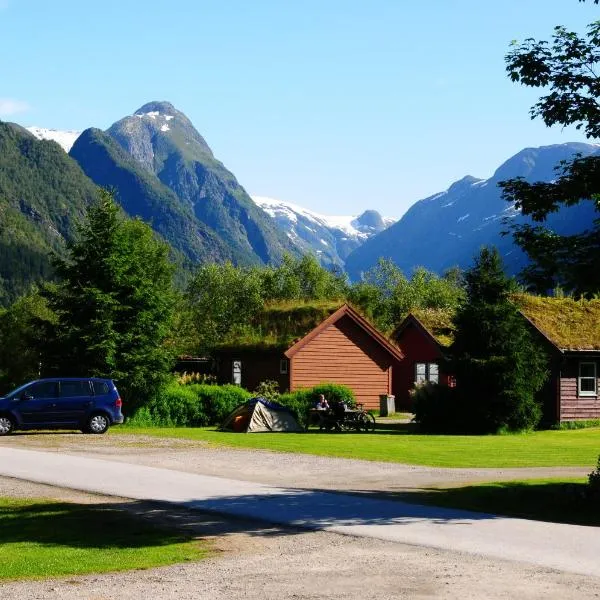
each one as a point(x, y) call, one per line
point(97, 424)
point(7, 425)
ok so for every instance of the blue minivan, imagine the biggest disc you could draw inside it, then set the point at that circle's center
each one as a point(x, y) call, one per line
point(86, 403)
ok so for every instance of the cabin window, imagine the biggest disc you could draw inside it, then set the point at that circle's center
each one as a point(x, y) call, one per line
point(283, 366)
point(587, 384)
point(236, 372)
point(427, 372)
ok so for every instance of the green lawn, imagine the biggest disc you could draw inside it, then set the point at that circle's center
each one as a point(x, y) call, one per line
point(42, 538)
point(539, 449)
point(558, 501)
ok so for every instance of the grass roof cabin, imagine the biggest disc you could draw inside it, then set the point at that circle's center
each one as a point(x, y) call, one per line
point(301, 345)
point(568, 329)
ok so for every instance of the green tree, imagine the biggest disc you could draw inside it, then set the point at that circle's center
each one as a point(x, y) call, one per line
point(499, 366)
point(113, 304)
point(302, 279)
point(568, 69)
point(221, 299)
point(386, 295)
point(20, 340)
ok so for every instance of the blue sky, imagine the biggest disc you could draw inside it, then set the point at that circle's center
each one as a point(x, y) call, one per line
point(337, 105)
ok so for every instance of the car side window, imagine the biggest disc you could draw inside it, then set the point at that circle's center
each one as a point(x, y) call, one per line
point(71, 389)
point(43, 389)
point(100, 388)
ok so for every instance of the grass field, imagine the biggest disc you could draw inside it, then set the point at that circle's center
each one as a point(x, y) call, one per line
point(539, 449)
point(558, 501)
point(42, 538)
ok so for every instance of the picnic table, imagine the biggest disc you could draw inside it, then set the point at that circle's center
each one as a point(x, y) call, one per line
point(348, 419)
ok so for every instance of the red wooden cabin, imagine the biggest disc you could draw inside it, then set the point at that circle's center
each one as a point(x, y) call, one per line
point(343, 348)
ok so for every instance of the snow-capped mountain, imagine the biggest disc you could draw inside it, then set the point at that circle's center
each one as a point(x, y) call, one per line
point(449, 228)
point(65, 139)
point(331, 238)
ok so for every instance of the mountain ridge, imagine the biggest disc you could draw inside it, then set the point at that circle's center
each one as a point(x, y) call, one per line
point(471, 213)
point(330, 238)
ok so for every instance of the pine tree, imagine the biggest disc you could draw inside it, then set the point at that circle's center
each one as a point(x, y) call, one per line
point(114, 304)
point(498, 364)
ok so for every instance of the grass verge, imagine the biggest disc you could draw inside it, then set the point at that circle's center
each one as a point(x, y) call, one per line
point(557, 501)
point(43, 538)
point(538, 449)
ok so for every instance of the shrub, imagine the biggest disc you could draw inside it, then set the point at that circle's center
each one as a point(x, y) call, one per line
point(192, 405)
point(436, 408)
point(301, 401)
point(188, 378)
point(594, 483)
point(568, 425)
point(268, 389)
point(219, 400)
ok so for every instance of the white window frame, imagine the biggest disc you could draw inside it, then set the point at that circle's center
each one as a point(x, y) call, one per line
point(427, 374)
point(580, 378)
point(284, 366)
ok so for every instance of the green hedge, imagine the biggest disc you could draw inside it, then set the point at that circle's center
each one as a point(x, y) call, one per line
point(301, 401)
point(195, 405)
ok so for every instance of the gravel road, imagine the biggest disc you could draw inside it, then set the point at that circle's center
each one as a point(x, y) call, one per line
point(258, 561)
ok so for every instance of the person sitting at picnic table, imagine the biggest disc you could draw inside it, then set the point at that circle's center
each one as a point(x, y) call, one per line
point(322, 403)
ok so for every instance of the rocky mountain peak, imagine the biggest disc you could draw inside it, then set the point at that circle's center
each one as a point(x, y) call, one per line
point(156, 131)
point(371, 219)
point(157, 106)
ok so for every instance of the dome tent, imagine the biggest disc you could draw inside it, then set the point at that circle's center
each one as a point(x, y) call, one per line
point(258, 416)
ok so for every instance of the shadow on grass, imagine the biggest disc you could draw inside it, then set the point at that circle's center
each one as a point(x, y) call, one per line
point(552, 501)
point(380, 427)
point(127, 525)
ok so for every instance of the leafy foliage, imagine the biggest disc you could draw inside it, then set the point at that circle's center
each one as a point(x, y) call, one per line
point(193, 405)
point(498, 365)
point(437, 409)
point(21, 340)
point(386, 295)
point(594, 482)
point(113, 304)
point(268, 389)
point(301, 401)
point(568, 69)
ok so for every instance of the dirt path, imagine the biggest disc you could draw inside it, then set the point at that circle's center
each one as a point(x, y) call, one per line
point(255, 562)
point(274, 468)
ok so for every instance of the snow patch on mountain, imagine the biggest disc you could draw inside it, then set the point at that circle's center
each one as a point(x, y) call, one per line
point(65, 139)
point(331, 238)
point(349, 225)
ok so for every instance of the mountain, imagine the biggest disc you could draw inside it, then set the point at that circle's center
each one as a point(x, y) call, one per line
point(141, 194)
point(43, 194)
point(65, 139)
point(330, 238)
point(166, 147)
point(448, 228)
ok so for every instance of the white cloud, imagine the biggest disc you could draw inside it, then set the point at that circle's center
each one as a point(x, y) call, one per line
point(10, 106)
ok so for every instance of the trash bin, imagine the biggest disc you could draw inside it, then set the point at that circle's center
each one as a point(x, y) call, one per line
point(387, 405)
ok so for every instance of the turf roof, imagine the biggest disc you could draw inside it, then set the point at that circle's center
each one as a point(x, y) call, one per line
point(569, 324)
point(279, 325)
point(438, 322)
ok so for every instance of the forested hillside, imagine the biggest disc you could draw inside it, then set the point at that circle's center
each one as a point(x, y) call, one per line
point(43, 193)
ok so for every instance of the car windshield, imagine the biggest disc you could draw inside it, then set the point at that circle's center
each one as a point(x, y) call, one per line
point(17, 391)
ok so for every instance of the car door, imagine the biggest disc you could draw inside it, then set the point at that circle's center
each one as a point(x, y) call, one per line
point(37, 402)
point(74, 401)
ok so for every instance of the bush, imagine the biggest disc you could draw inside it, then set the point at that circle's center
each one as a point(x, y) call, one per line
point(269, 390)
point(301, 401)
point(569, 425)
point(186, 378)
point(594, 483)
point(192, 405)
point(437, 409)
